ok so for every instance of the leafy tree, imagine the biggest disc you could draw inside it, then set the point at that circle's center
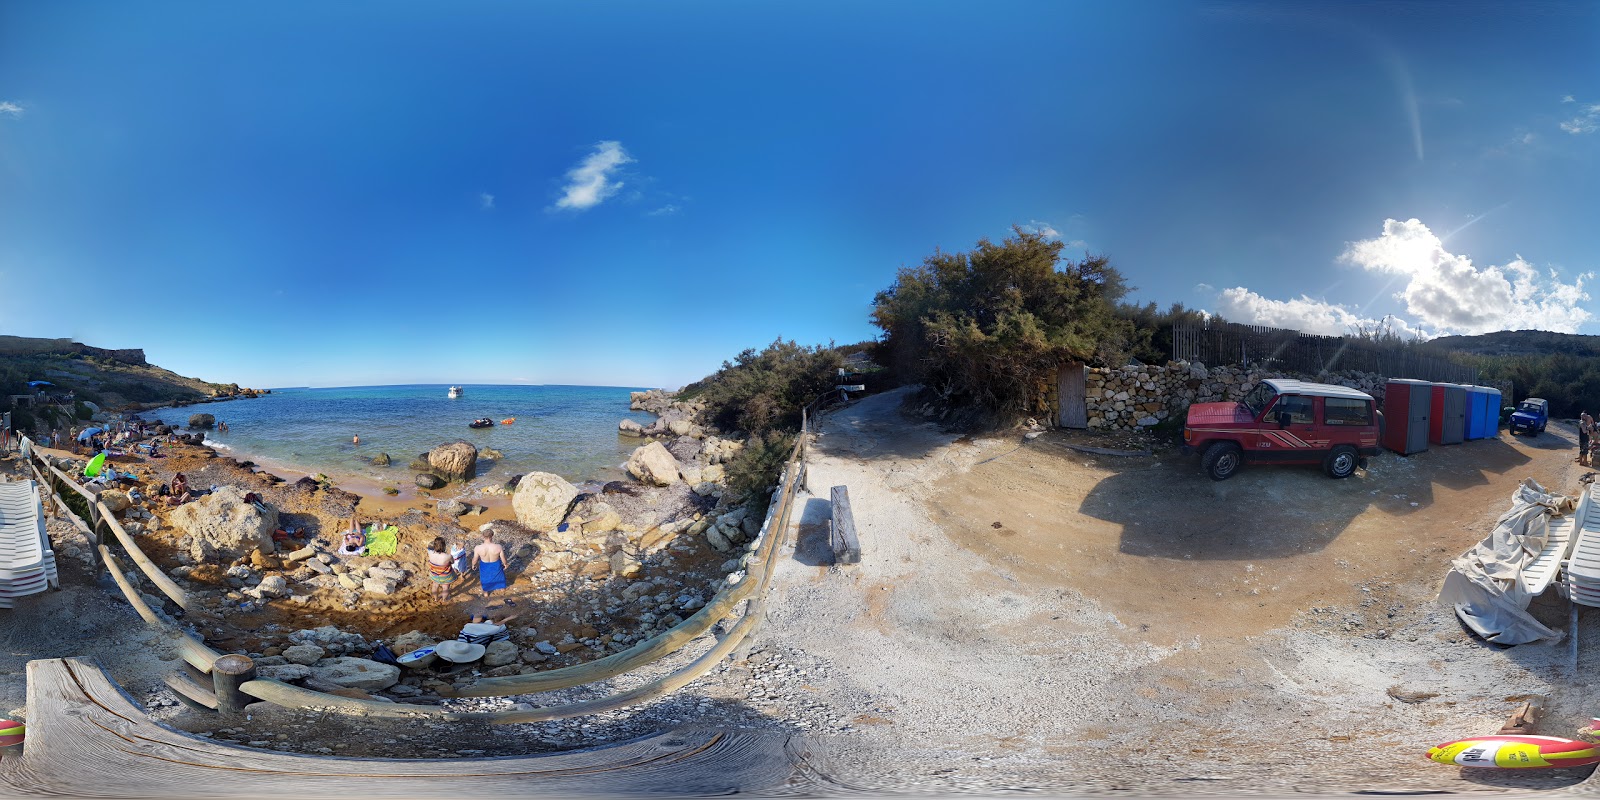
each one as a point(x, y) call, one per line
point(766, 390)
point(988, 329)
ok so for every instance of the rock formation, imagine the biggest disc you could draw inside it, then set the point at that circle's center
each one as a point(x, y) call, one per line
point(456, 461)
point(221, 526)
point(541, 500)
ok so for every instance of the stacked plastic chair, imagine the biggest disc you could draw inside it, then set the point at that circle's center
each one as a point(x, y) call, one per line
point(1583, 569)
point(27, 564)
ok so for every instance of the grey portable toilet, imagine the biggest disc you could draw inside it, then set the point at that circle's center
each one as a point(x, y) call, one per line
point(1448, 424)
point(1407, 406)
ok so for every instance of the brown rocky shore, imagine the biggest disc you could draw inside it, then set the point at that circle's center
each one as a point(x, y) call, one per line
point(590, 570)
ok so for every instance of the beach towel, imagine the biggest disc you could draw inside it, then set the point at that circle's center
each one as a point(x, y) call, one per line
point(483, 633)
point(491, 575)
point(463, 558)
point(383, 543)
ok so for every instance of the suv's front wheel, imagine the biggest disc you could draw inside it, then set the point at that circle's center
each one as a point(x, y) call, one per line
point(1221, 460)
point(1342, 462)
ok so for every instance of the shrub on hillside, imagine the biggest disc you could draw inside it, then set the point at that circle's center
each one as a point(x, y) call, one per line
point(989, 329)
point(762, 391)
point(754, 471)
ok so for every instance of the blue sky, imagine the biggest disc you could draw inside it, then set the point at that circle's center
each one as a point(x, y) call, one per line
point(628, 193)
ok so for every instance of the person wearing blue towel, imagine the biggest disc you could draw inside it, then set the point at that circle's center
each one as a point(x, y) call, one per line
point(489, 558)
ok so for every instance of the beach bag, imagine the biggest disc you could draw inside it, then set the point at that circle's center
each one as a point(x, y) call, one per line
point(384, 655)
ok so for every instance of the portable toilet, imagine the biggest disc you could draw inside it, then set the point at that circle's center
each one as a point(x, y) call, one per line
point(1483, 412)
point(1407, 404)
point(1491, 415)
point(1447, 422)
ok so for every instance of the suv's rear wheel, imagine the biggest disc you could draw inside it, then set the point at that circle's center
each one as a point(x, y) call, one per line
point(1221, 460)
point(1342, 462)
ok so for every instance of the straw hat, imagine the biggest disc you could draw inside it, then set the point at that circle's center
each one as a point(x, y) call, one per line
point(459, 652)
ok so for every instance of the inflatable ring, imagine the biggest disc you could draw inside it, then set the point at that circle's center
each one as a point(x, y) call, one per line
point(1516, 752)
point(12, 733)
point(508, 421)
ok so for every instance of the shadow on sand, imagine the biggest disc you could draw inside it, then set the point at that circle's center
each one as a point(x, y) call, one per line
point(1168, 509)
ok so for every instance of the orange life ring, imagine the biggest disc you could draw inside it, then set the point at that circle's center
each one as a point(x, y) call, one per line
point(508, 421)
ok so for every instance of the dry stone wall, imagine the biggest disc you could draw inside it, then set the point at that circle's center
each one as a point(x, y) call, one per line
point(1144, 395)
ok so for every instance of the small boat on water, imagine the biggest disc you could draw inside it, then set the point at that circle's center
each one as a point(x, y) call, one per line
point(481, 423)
point(456, 391)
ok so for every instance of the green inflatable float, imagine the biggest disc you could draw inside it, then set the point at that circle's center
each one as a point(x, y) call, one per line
point(92, 468)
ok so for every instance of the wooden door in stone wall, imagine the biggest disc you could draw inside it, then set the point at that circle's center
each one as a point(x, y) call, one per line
point(1074, 409)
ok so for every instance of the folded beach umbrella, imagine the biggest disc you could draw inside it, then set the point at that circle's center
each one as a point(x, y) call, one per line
point(94, 466)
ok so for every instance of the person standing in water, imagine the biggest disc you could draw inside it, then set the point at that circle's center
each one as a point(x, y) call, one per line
point(357, 439)
point(489, 558)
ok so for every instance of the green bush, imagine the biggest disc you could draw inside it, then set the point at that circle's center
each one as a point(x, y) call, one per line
point(989, 329)
point(754, 470)
point(82, 410)
point(766, 390)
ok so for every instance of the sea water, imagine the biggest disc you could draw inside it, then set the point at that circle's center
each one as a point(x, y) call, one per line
point(568, 430)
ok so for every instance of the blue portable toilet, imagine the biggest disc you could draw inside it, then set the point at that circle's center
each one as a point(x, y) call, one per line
point(1483, 412)
point(1477, 401)
point(1492, 412)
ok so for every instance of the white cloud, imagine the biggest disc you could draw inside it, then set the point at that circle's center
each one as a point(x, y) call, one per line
point(8, 107)
point(1448, 292)
point(664, 211)
point(1044, 229)
point(485, 201)
point(1302, 314)
point(590, 183)
point(1588, 121)
point(1568, 99)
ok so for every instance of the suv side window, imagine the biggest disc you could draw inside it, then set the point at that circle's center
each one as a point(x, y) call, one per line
point(1346, 411)
point(1299, 409)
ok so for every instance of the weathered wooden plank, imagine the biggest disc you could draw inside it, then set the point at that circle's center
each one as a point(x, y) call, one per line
point(193, 652)
point(86, 738)
point(148, 567)
point(846, 545)
point(192, 694)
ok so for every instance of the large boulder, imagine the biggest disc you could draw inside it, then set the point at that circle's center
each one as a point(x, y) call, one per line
point(202, 421)
point(652, 464)
point(356, 673)
point(499, 654)
point(628, 427)
point(600, 518)
point(221, 526)
point(115, 500)
point(306, 654)
point(542, 499)
point(456, 461)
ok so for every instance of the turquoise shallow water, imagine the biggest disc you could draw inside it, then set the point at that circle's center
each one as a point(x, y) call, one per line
point(568, 430)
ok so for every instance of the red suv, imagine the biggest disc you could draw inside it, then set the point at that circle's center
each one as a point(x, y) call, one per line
point(1285, 422)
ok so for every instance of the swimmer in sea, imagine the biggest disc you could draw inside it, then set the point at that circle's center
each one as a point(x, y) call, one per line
point(357, 440)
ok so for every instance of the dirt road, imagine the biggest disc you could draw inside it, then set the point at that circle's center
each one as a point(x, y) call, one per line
point(1033, 617)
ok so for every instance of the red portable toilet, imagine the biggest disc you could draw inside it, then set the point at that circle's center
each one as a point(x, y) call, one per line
point(1447, 420)
point(1407, 405)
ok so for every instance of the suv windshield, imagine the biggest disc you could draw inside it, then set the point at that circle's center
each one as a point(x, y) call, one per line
point(1531, 408)
point(1259, 398)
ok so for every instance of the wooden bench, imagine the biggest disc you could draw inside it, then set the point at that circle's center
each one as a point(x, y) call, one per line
point(842, 530)
point(87, 738)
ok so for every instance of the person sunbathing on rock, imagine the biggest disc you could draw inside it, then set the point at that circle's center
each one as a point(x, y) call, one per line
point(179, 493)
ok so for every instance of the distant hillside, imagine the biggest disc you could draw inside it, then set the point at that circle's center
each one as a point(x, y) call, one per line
point(1520, 343)
point(109, 378)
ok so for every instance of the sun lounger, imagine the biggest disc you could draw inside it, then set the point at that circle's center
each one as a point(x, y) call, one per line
point(27, 565)
point(1583, 568)
point(1562, 533)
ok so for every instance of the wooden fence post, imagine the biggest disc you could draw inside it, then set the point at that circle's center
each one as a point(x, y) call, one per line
point(228, 673)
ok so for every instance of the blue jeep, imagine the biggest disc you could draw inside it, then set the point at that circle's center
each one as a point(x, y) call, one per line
point(1530, 416)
